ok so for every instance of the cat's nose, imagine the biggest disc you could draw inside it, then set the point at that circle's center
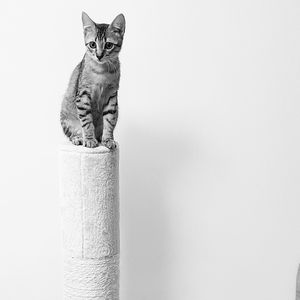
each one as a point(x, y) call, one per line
point(100, 56)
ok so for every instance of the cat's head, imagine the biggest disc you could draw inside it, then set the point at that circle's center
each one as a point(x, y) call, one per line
point(103, 41)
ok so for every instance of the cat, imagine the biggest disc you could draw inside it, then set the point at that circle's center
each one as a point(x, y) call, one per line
point(89, 110)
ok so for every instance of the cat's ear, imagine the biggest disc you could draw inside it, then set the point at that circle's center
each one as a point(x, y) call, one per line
point(119, 24)
point(87, 21)
point(89, 27)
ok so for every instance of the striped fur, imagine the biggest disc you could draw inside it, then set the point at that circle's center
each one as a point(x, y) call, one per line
point(89, 110)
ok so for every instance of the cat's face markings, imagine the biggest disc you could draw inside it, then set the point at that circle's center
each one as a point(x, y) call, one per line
point(103, 41)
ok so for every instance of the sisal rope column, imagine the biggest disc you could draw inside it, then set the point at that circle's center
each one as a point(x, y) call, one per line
point(89, 188)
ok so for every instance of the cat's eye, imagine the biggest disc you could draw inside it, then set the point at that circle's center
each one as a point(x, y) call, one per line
point(108, 46)
point(92, 45)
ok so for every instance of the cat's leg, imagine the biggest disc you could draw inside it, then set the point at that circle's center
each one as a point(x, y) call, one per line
point(76, 137)
point(76, 140)
point(110, 117)
point(70, 130)
point(84, 110)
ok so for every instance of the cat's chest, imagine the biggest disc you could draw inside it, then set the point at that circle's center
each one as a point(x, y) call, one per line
point(102, 87)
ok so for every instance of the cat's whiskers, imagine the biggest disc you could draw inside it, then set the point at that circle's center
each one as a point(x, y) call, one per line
point(111, 65)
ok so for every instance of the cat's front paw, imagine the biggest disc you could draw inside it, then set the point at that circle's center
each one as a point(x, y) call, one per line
point(90, 143)
point(109, 143)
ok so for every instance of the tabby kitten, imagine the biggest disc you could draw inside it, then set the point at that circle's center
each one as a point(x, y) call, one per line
point(89, 109)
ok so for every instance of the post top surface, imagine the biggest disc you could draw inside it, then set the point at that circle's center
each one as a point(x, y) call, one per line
point(68, 147)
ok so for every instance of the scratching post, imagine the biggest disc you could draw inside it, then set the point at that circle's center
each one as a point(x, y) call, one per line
point(89, 187)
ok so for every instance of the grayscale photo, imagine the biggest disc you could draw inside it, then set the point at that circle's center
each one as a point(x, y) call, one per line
point(150, 150)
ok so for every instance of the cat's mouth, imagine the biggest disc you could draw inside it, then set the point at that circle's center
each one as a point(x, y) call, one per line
point(101, 62)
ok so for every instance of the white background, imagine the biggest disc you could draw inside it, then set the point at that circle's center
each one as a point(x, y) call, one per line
point(209, 131)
